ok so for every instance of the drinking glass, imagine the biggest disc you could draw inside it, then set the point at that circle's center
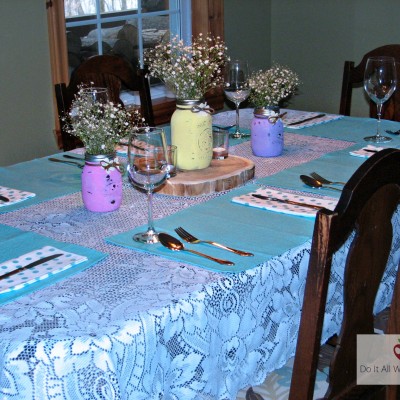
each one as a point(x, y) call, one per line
point(236, 88)
point(379, 83)
point(94, 94)
point(147, 169)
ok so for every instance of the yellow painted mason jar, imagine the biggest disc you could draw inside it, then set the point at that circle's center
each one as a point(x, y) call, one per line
point(191, 133)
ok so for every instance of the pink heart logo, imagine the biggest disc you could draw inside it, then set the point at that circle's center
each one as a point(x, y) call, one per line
point(396, 351)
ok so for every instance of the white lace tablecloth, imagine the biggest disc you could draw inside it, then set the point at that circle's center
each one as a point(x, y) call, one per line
point(137, 326)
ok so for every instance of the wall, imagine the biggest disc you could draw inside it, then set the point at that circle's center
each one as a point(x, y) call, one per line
point(248, 31)
point(315, 37)
point(26, 111)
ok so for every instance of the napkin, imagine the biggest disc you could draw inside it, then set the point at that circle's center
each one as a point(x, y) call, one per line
point(271, 205)
point(15, 195)
point(293, 116)
point(363, 152)
point(42, 271)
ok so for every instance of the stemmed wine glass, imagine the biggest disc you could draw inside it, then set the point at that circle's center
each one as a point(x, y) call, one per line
point(147, 169)
point(93, 93)
point(236, 87)
point(379, 83)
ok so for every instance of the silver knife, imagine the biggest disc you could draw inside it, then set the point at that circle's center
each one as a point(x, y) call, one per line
point(30, 265)
point(4, 198)
point(295, 203)
point(306, 119)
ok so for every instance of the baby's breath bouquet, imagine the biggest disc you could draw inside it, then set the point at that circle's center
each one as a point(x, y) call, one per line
point(272, 86)
point(189, 71)
point(100, 125)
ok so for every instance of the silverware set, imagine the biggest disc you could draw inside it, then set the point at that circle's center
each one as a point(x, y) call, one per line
point(185, 235)
point(315, 181)
point(306, 120)
point(30, 265)
point(286, 201)
point(70, 160)
point(174, 244)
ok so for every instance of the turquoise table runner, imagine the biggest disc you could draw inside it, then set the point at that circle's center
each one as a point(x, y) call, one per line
point(15, 242)
point(221, 220)
point(46, 179)
point(349, 128)
point(213, 220)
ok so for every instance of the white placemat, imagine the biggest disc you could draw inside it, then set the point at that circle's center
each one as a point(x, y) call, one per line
point(14, 195)
point(294, 116)
point(366, 151)
point(39, 272)
point(271, 205)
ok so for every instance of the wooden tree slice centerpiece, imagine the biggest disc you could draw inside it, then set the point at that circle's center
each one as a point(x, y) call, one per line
point(219, 176)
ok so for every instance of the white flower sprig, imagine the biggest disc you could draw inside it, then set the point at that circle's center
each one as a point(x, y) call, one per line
point(272, 86)
point(100, 125)
point(188, 71)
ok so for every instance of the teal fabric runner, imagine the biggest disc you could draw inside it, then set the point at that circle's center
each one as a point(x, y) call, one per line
point(221, 220)
point(353, 129)
point(45, 178)
point(15, 242)
point(213, 220)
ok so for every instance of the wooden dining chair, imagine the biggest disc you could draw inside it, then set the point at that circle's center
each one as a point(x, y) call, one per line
point(353, 77)
point(110, 71)
point(363, 220)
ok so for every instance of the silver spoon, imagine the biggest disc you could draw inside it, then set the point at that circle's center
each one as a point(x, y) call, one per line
point(174, 244)
point(324, 180)
point(316, 184)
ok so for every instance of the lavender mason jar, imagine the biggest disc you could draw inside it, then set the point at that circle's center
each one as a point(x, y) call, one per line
point(267, 132)
point(101, 183)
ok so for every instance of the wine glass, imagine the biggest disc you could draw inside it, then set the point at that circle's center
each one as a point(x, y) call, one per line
point(379, 83)
point(236, 87)
point(93, 93)
point(147, 169)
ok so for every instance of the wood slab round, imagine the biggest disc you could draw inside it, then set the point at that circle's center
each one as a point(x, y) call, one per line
point(219, 176)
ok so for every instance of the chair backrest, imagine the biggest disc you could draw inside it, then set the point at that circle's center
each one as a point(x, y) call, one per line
point(353, 76)
point(109, 71)
point(362, 216)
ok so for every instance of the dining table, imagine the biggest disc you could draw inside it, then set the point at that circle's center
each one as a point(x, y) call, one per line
point(127, 320)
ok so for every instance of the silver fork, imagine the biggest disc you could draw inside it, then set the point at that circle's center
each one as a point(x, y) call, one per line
point(185, 235)
point(324, 180)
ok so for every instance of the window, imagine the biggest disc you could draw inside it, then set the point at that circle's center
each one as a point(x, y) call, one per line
point(195, 16)
point(122, 27)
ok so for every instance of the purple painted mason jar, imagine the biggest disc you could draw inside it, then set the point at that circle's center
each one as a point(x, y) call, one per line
point(267, 132)
point(101, 183)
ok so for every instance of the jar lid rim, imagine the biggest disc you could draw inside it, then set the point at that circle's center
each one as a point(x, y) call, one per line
point(98, 157)
point(270, 111)
point(183, 102)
